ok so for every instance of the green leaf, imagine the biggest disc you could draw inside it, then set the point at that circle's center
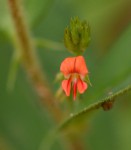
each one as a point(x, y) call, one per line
point(81, 116)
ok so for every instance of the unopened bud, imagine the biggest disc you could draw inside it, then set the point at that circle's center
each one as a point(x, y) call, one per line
point(77, 36)
point(59, 77)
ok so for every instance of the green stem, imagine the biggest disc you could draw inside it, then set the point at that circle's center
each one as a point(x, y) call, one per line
point(14, 65)
point(41, 42)
point(30, 61)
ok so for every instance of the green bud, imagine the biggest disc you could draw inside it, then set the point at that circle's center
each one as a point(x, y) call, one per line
point(77, 36)
point(87, 79)
point(59, 77)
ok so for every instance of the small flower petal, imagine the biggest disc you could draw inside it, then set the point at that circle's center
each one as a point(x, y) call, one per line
point(80, 66)
point(67, 66)
point(81, 86)
point(66, 85)
point(74, 90)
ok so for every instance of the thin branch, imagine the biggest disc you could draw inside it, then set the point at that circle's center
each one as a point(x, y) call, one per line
point(14, 65)
point(30, 61)
point(45, 43)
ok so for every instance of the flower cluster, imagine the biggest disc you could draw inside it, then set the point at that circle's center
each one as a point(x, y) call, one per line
point(74, 69)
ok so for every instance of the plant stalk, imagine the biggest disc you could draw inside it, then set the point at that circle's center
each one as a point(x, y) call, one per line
point(30, 61)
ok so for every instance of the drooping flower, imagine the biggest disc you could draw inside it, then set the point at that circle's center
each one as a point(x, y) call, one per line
point(75, 71)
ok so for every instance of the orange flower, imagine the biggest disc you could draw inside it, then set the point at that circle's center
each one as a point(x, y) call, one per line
point(74, 70)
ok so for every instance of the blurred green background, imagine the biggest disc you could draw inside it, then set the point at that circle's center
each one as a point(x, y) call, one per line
point(23, 121)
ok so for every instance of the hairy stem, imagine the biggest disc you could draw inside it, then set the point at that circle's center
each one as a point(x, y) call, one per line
point(30, 60)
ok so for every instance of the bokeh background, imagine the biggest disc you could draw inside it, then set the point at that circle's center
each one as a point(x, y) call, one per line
point(24, 123)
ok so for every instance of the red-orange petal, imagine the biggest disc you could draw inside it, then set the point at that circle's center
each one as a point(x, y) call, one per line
point(66, 85)
point(80, 65)
point(81, 86)
point(74, 90)
point(67, 66)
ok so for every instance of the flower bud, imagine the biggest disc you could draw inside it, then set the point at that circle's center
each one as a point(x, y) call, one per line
point(59, 77)
point(77, 36)
point(87, 79)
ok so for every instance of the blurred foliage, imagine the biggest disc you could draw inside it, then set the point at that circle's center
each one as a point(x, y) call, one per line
point(23, 121)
